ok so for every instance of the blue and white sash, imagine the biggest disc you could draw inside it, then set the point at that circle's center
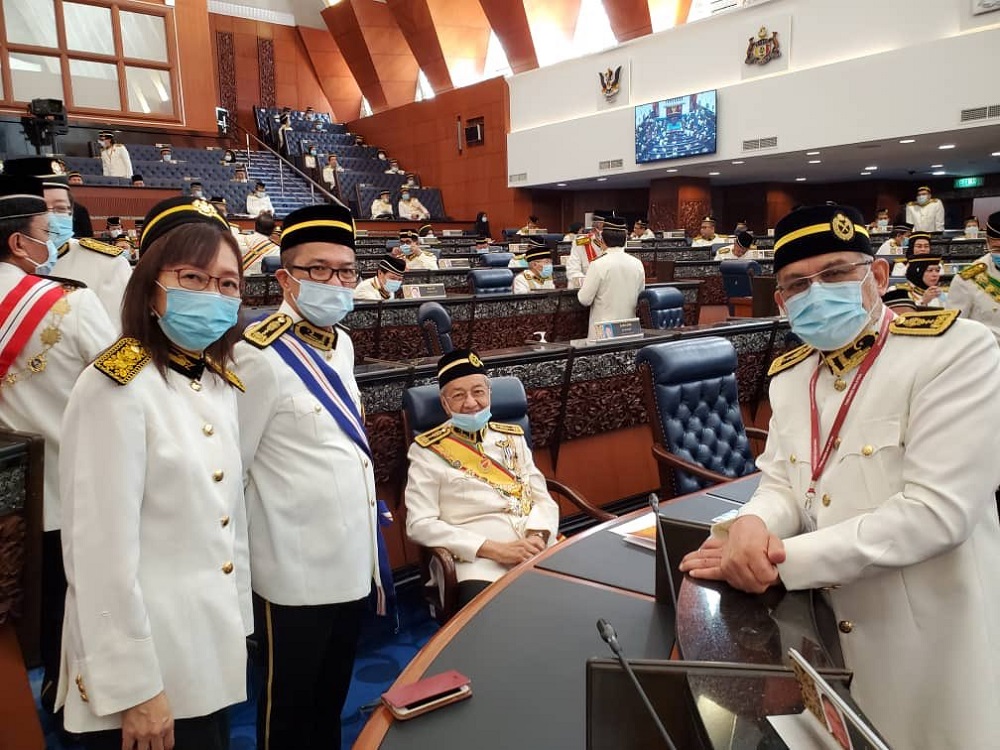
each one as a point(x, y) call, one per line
point(325, 384)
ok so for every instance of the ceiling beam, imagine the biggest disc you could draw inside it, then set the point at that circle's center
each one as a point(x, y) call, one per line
point(629, 18)
point(510, 23)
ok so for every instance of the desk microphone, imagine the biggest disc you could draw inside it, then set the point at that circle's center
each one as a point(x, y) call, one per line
point(610, 637)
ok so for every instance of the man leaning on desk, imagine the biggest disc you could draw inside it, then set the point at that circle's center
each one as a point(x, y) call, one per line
point(878, 487)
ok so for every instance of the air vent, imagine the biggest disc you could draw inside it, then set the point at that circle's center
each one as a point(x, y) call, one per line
point(519, 177)
point(609, 164)
point(756, 144)
point(616, 163)
point(985, 112)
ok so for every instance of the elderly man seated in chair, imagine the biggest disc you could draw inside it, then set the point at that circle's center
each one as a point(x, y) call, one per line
point(473, 487)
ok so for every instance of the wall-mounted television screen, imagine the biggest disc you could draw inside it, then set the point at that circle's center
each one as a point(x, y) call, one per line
point(675, 128)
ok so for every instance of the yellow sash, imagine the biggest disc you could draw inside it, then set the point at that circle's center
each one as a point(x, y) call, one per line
point(464, 457)
point(256, 252)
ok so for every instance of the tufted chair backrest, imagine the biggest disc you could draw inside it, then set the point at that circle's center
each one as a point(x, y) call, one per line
point(694, 409)
point(661, 307)
point(496, 260)
point(435, 326)
point(736, 276)
point(508, 404)
point(491, 281)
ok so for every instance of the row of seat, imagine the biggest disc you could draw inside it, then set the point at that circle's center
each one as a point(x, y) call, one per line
point(366, 193)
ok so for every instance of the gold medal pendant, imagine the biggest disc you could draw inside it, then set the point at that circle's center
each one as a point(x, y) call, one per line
point(840, 384)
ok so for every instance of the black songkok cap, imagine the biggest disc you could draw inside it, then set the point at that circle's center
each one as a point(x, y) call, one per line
point(818, 230)
point(535, 242)
point(326, 222)
point(915, 269)
point(425, 230)
point(993, 226)
point(50, 171)
point(913, 241)
point(898, 296)
point(744, 239)
point(21, 197)
point(708, 220)
point(615, 223)
point(392, 264)
point(408, 234)
point(538, 253)
point(174, 212)
point(114, 221)
point(457, 364)
point(902, 228)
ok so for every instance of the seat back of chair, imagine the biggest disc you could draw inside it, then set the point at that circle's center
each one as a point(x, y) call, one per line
point(490, 281)
point(422, 408)
point(736, 275)
point(661, 307)
point(496, 260)
point(435, 326)
point(270, 263)
point(691, 396)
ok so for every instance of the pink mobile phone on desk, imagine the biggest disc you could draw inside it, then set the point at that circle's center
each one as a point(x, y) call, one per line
point(407, 701)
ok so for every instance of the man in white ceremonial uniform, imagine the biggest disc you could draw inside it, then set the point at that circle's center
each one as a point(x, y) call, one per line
point(473, 487)
point(258, 244)
point(585, 250)
point(926, 213)
point(115, 159)
point(706, 234)
point(896, 244)
point(387, 282)
point(878, 487)
point(410, 208)
point(417, 259)
point(49, 336)
point(101, 267)
point(742, 247)
point(259, 201)
point(613, 283)
point(641, 231)
point(382, 206)
point(976, 290)
point(310, 485)
point(538, 275)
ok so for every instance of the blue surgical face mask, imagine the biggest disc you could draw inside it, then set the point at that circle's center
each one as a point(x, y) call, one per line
point(828, 316)
point(393, 285)
point(905, 242)
point(546, 272)
point(44, 269)
point(471, 422)
point(406, 196)
point(406, 248)
point(323, 304)
point(60, 228)
point(196, 320)
point(996, 259)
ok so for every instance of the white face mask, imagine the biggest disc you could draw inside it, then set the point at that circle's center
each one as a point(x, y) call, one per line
point(923, 198)
point(972, 231)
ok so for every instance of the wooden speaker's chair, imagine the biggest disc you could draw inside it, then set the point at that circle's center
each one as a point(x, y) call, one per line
point(699, 438)
point(422, 411)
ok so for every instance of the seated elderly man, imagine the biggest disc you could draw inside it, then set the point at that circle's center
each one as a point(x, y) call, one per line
point(473, 487)
point(386, 283)
point(538, 275)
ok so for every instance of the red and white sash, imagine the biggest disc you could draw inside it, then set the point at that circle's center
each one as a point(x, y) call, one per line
point(20, 313)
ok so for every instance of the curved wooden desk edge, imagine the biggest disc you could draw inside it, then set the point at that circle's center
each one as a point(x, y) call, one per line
point(379, 722)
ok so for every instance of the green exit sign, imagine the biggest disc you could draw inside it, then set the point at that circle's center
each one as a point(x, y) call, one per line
point(968, 182)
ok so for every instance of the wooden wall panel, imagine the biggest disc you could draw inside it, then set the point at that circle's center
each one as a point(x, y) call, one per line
point(199, 89)
point(331, 72)
point(463, 32)
point(414, 20)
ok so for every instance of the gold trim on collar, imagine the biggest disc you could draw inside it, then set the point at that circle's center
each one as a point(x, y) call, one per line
point(315, 337)
point(845, 359)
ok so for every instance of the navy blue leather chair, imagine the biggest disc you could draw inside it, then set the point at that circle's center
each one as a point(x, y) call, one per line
point(422, 411)
point(736, 279)
point(434, 322)
point(491, 281)
point(496, 260)
point(699, 438)
point(661, 307)
point(270, 263)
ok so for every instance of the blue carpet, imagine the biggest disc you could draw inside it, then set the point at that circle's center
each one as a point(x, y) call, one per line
point(382, 655)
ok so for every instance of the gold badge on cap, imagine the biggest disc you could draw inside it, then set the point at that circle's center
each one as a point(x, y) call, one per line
point(842, 227)
point(205, 208)
point(474, 360)
point(57, 167)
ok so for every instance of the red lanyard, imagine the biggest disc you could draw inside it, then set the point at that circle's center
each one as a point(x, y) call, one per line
point(820, 459)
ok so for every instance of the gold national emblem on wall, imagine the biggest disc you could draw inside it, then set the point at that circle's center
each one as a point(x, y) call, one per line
point(763, 48)
point(611, 82)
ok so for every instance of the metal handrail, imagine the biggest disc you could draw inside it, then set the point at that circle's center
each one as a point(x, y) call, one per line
point(283, 162)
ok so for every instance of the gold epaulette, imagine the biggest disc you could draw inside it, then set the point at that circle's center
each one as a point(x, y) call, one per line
point(790, 359)
point(584, 240)
point(425, 439)
point(972, 271)
point(100, 247)
point(924, 323)
point(122, 360)
point(228, 375)
point(265, 332)
point(912, 203)
point(507, 429)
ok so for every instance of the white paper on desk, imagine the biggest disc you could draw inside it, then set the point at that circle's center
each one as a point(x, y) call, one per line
point(642, 522)
point(803, 732)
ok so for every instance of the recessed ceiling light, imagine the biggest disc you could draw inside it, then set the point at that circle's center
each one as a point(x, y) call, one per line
point(812, 153)
point(601, 179)
point(865, 174)
point(909, 140)
point(946, 146)
point(815, 161)
point(938, 173)
point(713, 174)
point(936, 166)
point(740, 161)
point(995, 153)
point(671, 170)
point(871, 169)
point(800, 179)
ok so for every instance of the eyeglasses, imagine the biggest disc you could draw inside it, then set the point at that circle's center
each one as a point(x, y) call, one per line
point(480, 394)
point(197, 281)
point(62, 211)
point(323, 274)
point(831, 275)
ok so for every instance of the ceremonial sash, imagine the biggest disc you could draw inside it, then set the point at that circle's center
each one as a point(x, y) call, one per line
point(20, 313)
point(383, 595)
point(325, 384)
point(255, 253)
point(460, 455)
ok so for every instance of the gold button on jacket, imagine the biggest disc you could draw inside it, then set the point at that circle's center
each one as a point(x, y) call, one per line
point(228, 568)
point(218, 475)
point(846, 626)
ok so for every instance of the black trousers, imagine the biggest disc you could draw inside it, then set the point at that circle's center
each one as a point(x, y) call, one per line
point(308, 657)
point(468, 590)
point(53, 609)
point(199, 733)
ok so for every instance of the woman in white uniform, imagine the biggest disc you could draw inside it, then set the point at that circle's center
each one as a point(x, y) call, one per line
point(154, 532)
point(923, 273)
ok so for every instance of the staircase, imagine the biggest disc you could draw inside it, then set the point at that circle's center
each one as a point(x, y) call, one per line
point(288, 191)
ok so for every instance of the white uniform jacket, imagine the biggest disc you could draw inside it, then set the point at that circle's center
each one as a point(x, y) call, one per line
point(371, 290)
point(102, 267)
point(258, 204)
point(648, 234)
point(612, 287)
point(412, 210)
point(926, 218)
point(35, 401)
point(154, 542)
point(116, 162)
point(310, 489)
point(526, 282)
point(425, 260)
point(577, 265)
point(973, 292)
point(700, 241)
point(890, 247)
point(447, 507)
point(907, 533)
point(254, 243)
point(381, 208)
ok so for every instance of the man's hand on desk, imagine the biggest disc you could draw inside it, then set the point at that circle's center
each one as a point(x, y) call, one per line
point(512, 553)
point(747, 560)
